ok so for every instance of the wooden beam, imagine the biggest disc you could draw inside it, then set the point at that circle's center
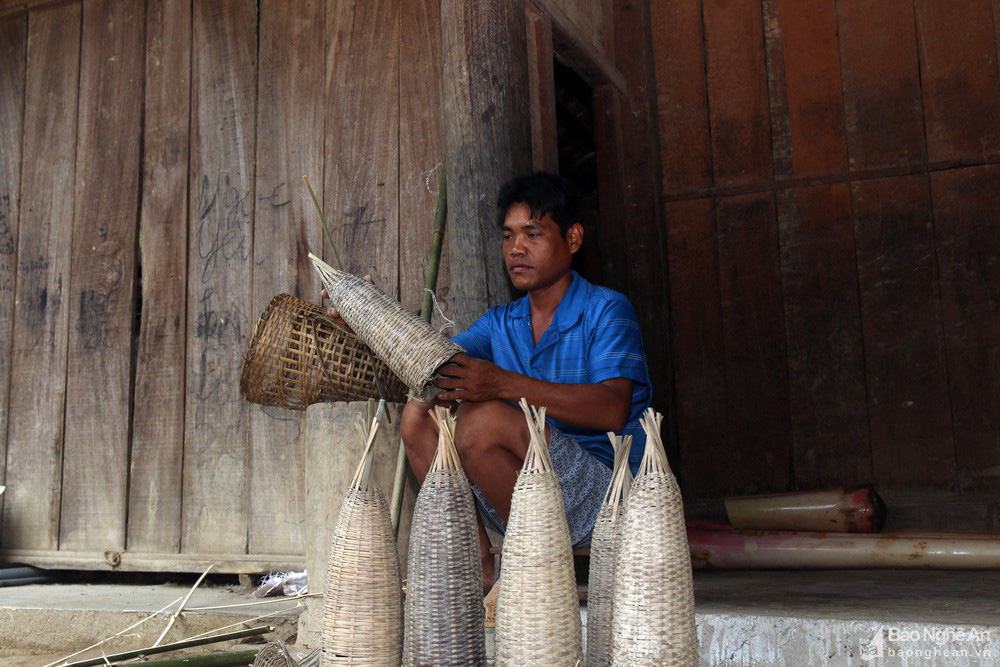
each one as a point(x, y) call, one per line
point(13, 7)
point(487, 139)
point(574, 50)
point(126, 561)
point(541, 89)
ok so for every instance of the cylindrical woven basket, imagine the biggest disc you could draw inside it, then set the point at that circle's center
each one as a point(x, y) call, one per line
point(408, 344)
point(297, 356)
point(653, 621)
point(604, 543)
point(444, 599)
point(363, 598)
point(538, 612)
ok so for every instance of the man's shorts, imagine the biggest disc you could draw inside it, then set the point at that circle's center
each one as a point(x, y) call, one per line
point(584, 481)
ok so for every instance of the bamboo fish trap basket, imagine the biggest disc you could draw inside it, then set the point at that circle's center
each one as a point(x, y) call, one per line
point(604, 542)
point(363, 600)
point(653, 602)
point(538, 613)
point(444, 601)
point(298, 356)
point(408, 344)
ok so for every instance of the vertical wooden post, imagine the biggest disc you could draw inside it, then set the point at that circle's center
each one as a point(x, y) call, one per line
point(487, 138)
point(541, 90)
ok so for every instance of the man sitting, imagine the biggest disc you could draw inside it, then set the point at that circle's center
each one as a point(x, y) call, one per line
point(568, 345)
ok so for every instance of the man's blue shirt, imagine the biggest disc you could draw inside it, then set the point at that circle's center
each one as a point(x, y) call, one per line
point(594, 336)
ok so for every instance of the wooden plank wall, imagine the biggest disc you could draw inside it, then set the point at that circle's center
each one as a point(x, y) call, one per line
point(829, 176)
point(160, 207)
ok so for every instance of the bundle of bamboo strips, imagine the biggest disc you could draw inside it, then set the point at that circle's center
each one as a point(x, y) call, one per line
point(653, 601)
point(444, 608)
point(604, 543)
point(363, 603)
point(538, 613)
point(408, 345)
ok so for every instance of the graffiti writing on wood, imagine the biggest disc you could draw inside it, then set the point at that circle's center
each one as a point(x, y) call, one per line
point(6, 234)
point(278, 196)
point(91, 322)
point(41, 303)
point(218, 323)
point(224, 213)
point(358, 218)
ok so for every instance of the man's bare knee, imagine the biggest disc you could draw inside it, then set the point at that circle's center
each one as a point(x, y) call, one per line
point(481, 428)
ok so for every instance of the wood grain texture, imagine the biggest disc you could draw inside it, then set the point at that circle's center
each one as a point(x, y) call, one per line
point(911, 431)
point(290, 121)
point(959, 77)
point(737, 91)
point(966, 202)
point(220, 237)
point(881, 77)
point(154, 518)
point(754, 345)
point(41, 317)
point(487, 139)
point(102, 307)
point(645, 246)
point(421, 152)
point(826, 364)
point(699, 360)
point(361, 196)
point(13, 66)
point(814, 94)
point(682, 102)
point(541, 91)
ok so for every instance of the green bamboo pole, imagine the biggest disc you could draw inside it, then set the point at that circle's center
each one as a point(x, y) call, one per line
point(176, 646)
point(430, 282)
point(229, 659)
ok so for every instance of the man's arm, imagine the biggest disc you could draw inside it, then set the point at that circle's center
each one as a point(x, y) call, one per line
point(602, 406)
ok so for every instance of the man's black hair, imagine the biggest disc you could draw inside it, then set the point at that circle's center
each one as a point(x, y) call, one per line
point(544, 194)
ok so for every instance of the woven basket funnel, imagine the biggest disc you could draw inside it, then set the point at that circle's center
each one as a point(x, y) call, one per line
point(444, 599)
point(538, 612)
point(653, 621)
point(274, 654)
point(604, 543)
point(297, 356)
point(409, 346)
point(362, 601)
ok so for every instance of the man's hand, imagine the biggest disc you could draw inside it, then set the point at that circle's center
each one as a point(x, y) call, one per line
point(470, 379)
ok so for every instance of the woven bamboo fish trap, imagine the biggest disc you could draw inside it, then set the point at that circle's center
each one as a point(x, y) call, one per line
point(538, 612)
point(298, 356)
point(274, 654)
point(653, 620)
point(444, 600)
point(363, 601)
point(604, 543)
point(408, 344)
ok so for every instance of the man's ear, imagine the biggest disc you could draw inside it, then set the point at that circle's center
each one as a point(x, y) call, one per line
point(574, 237)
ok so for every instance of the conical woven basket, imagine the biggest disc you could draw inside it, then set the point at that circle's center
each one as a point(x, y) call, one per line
point(363, 600)
point(604, 543)
point(297, 356)
point(653, 621)
point(274, 654)
point(408, 344)
point(444, 599)
point(538, 612)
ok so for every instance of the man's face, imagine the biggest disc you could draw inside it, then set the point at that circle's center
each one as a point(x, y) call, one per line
point(535, 251)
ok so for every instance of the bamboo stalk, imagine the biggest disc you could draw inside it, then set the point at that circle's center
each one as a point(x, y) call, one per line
point(322, 219)
point(173, 617)
point(175, 646)
point(430, 283)
point(228, 659)
point(271, 600)
point(843, 510)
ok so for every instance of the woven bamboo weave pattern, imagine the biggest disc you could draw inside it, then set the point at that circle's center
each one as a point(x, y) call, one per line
point(538, 613)
point(274, 654)
point(604, 543)
point(444, 601)
point(653, 621)
point(297, 356)
point(409, 346)
point(362, 601)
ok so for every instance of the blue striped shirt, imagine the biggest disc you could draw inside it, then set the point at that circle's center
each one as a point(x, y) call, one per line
point(594, 336)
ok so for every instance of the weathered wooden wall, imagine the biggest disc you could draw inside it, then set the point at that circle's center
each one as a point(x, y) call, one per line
point(151, 203)
point(830, 177)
